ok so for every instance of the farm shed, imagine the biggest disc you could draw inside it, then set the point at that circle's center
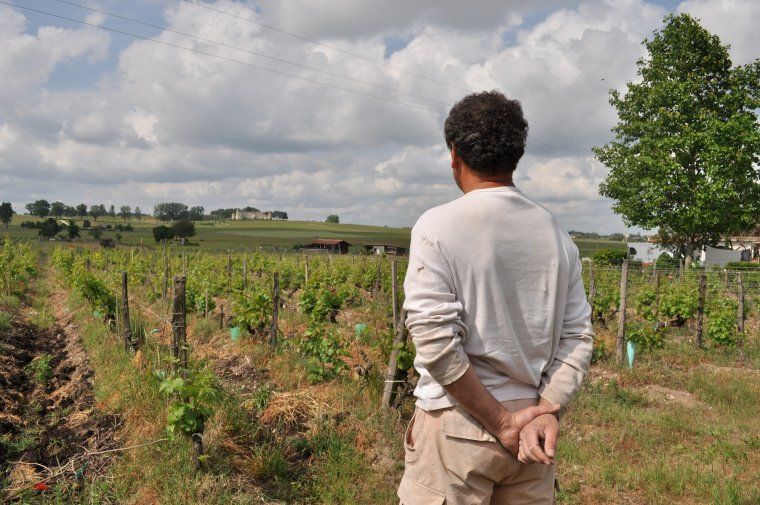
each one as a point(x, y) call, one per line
point(645, 252)
point(391, 250)
point(328, 245)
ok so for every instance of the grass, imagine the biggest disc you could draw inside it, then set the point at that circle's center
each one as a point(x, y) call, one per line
point(40, 369)
point(238, 235)
point(249, 235)
point(621, 442)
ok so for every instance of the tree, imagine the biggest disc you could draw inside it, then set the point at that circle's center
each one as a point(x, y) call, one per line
point(97, 211)
point(332, 218)
point(184, 229)
point(278, 214)
point(163, 233)
point(138, 213)
point(196, 213)
point(50, 228)
point(112, 212)
point(57, 209)
point(69, 211)
point(72, 230)
point(170, 211)
point(6, 213)
point(686, 149)
point(125, 212)
point(86, 223)
point(39, 208)
point(81, 210)
point(222, 214)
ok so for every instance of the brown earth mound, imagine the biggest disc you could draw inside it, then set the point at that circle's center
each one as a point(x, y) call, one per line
point(49, 426)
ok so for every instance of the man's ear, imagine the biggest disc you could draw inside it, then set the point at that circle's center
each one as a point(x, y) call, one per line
point(456, 161)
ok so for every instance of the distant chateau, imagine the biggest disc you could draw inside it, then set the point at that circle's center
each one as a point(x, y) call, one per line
point(243, 215)
point(257, 215)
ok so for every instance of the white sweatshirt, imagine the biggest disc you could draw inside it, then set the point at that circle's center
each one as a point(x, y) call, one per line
point(495, 283)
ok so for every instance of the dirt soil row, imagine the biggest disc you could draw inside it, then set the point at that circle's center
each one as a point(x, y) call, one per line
point(49, 425)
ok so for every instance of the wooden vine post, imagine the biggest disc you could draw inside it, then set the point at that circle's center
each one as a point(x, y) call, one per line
point(701, 307)
point(245, 273)
point(377, 278)
point(620, 347)
point(306, 270)
point(393, 376)
point(165, 290)
point(740, 315)
point(221, 317)
point(591, 288)
point(394, 294)
point(275, 311)
point(129, 343)
point(229, 271)
point(179, 323)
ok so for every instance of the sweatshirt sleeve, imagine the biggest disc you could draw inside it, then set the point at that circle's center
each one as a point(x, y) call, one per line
point(433, 311)
point(563, 378)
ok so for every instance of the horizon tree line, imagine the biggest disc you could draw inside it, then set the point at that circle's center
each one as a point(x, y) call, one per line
point(166, 211)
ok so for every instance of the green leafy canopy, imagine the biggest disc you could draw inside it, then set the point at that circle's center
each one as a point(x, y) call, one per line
point(685, 153)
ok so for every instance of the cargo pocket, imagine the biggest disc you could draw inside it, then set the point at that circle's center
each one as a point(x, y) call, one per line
point(458, 423)
point(412, 436)
point(469, 451)
point(412, 492)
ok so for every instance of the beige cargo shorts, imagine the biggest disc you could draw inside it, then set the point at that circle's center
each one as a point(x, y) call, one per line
point(451, 459)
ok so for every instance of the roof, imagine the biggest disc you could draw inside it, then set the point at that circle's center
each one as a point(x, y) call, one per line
point(328, 241)
point(752, 234)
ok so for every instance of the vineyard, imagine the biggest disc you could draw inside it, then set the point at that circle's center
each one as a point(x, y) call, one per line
point(287, 378)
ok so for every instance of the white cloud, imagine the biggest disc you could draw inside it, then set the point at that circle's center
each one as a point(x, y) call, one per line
point(734, 21)
point(170, 124)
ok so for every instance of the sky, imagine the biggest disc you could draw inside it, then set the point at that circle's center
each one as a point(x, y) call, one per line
point(316, 107)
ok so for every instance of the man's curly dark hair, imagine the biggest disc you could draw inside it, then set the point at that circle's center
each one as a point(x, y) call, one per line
point(488, 131)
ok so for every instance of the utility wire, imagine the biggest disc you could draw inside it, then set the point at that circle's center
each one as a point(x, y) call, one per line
point(198, 3)
point(250, 51)
point(232, 60)
point(535, 144)
point(327, 46)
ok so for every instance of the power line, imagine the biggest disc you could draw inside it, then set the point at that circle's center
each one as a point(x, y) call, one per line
point(232, 60)
point(198, 3)
point(250, 51)
point(327, 46)
point(537, 145)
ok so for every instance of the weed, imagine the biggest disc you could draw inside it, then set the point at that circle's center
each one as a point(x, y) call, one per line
point(205, 328)
point(41, 369)
point(5, 320)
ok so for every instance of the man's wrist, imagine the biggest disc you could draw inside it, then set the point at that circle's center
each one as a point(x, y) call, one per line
point(497, 419)
point(544, 401)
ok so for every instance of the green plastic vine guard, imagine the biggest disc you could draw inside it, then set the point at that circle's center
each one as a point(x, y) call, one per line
point(235, 333)
point(97, 314)
point(630, 348)
point(360, 328)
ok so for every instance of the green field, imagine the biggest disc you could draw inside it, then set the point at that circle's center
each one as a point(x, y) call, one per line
point(242, 235)
point(248, 235)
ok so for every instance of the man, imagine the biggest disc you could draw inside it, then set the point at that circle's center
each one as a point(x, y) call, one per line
point(498, 314)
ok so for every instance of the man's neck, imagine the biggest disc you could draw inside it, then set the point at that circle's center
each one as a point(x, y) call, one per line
point(474, 182)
